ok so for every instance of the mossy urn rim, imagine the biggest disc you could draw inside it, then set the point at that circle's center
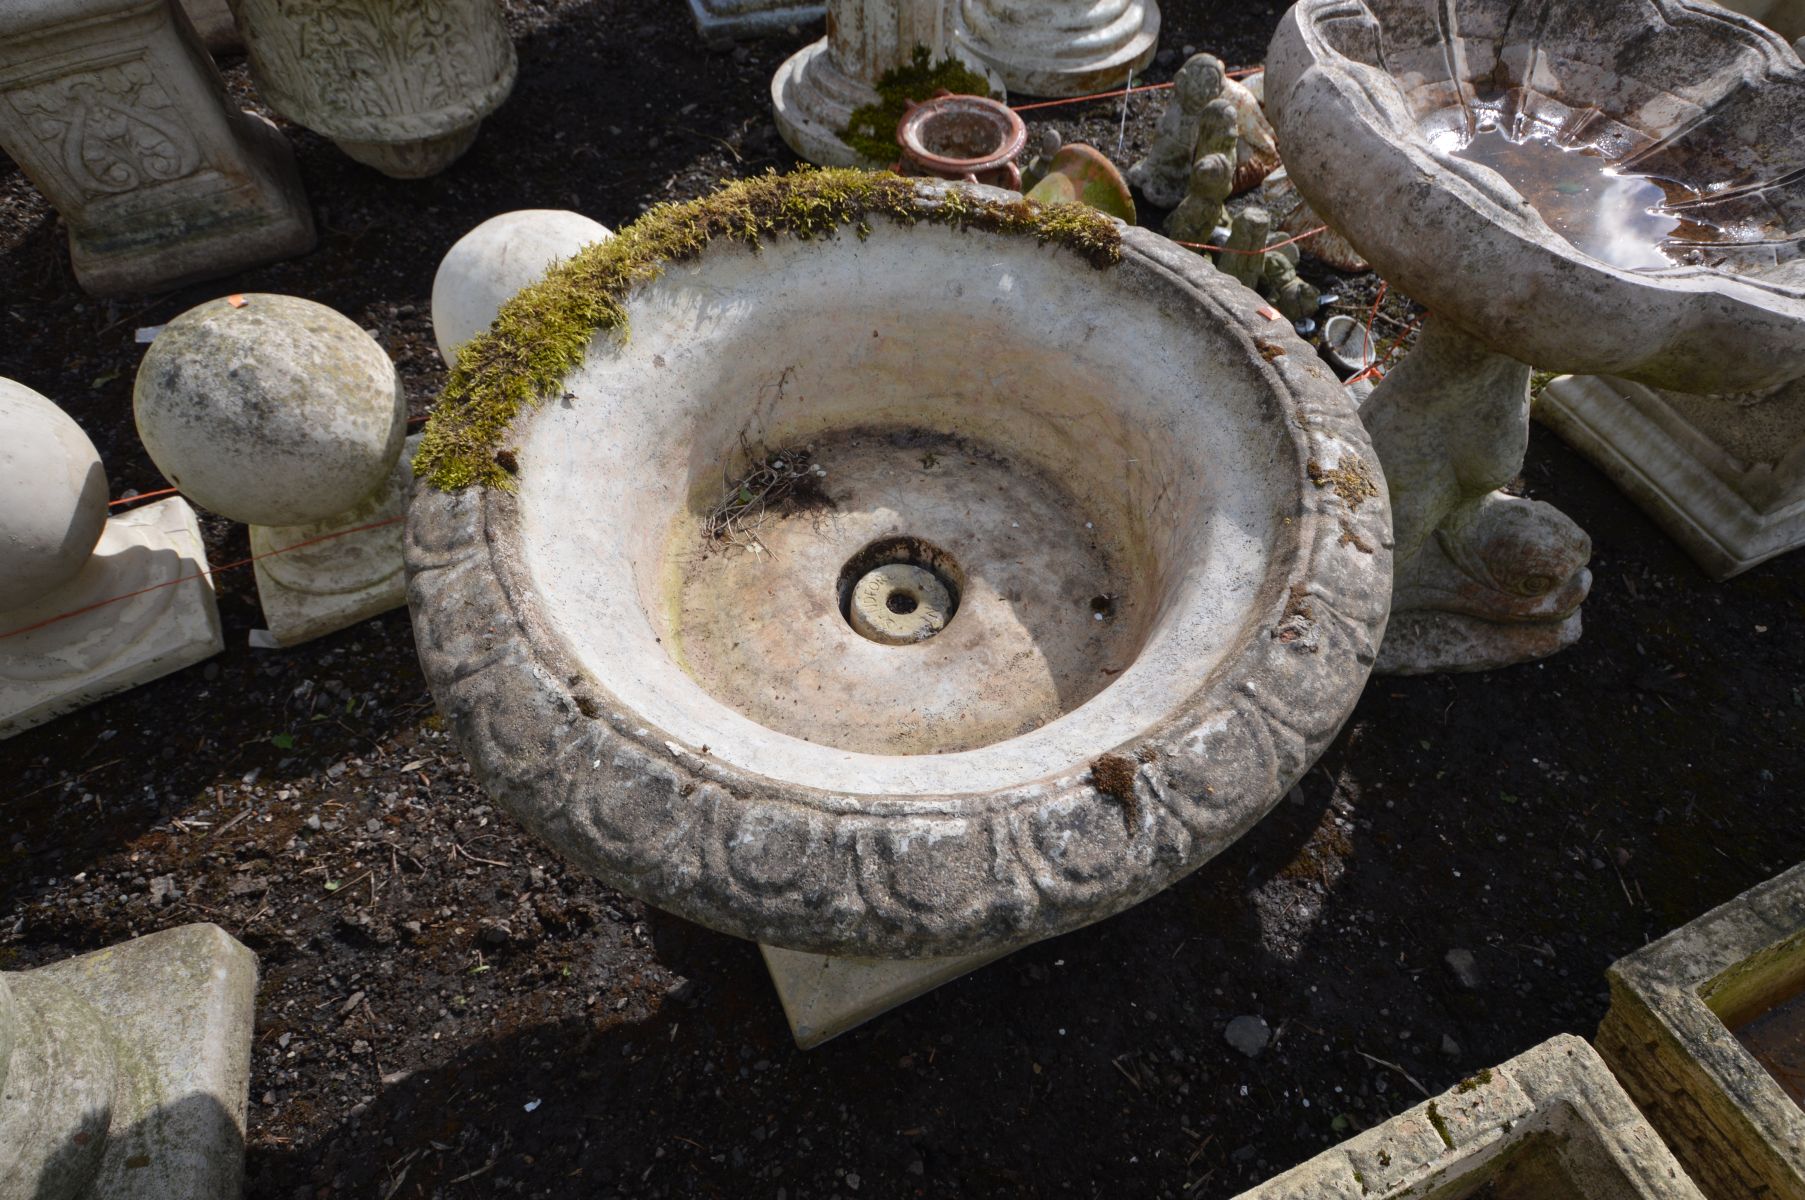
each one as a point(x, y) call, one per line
point(581, 729)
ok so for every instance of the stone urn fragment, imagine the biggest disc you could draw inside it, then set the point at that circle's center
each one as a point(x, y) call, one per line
point(399, 85)
point(114, 111)
point(1609, 188)
point(1126, 529)
point(90, 605)
point(817, 90)
point(1059, 47)
point(123, 1073)
point(283, 414)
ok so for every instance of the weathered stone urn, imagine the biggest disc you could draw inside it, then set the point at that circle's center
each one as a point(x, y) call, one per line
point(950, 573)
point(399, 85)
point(1602, 188)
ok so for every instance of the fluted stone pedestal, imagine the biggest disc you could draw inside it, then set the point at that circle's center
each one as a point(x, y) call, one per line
point(1059, 47)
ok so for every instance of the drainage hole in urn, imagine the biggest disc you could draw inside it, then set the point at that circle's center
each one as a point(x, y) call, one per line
point(899, 591)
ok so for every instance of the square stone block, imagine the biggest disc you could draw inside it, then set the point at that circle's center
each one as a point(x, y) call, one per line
point(179, 1007)
point(1707, 1031)
point(171, 622)
point(736, 20)
point(1550, 1124)
point(824, 996)
point(1724, 476)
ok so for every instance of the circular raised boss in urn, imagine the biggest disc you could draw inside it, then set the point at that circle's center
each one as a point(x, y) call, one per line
point(1155, 519)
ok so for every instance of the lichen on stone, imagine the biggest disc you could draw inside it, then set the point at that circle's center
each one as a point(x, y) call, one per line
point(542, 334)
point(871, 129)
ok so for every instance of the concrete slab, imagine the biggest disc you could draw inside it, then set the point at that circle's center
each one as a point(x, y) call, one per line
point(824, 996)
point(155, 1035)
point(162, 625)
point(1705, 1026)
point(1550, 1124)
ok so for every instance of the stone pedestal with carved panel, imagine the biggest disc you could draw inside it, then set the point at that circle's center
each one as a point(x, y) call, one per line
point(401, 87)
point(115, 112)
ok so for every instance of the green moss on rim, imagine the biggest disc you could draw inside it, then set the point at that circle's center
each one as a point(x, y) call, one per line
point(871, 129)
point(542, 334)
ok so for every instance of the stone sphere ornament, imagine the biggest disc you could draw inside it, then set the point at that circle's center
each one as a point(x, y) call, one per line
point(53, 496)
point(269, 409)
point(484, 268)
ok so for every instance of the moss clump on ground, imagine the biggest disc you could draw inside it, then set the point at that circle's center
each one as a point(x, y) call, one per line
point(541, 335)
point(871, 130)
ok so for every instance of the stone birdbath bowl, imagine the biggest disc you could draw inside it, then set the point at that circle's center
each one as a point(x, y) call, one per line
point(947, 574)
point(1614, 187)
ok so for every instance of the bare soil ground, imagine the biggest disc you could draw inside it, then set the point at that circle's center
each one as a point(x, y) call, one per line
point(445, 1010)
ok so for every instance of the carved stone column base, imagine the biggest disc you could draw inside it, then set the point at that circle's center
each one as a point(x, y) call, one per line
point(115, 112)
point(74, 662)
point(1059, 47)
point(824, 996)
point(127, 1070)
point(332, 585)
point(812, 100)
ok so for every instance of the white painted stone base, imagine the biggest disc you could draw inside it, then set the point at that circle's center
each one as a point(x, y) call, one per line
point(161, 1026)
point(1059, 47)
point(1678, 457)
point(332, 585)
point(74, 662)
point(735, 20)
point(1551, 1124)
point(824, 996)
point(1669, 1036)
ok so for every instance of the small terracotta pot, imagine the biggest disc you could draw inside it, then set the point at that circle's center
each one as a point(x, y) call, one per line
point(973, 138)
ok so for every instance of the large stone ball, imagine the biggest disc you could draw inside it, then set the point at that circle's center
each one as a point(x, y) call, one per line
point(484, 268)
point(278, 411)
point(53, 496)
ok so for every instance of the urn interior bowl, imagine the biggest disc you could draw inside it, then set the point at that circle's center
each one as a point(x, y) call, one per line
point(1604, 188)
point(912, 592)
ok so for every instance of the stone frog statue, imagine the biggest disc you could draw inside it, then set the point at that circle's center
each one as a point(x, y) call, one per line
point(1162, 176)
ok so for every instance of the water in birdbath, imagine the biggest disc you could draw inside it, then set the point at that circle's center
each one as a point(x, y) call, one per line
point(1619, 218)
point(1777, 1040)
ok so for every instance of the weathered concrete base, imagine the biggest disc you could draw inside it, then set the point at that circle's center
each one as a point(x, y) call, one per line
point(825, 996)
point(126, 1070)
point(1059, 47)
point(721, 21)
point(1723, 475)
point(1670, 1036)
point(331, 585)
point(1550, 1124)
point(74, 662)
